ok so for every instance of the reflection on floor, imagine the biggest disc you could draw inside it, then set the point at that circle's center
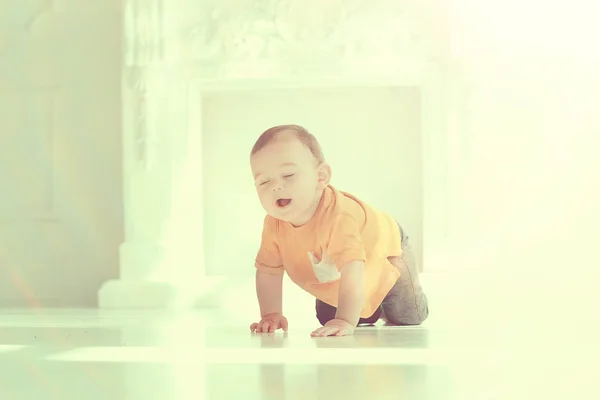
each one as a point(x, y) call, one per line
point(135, 355)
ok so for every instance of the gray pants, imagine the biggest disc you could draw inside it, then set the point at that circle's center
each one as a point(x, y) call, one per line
point(405, 303)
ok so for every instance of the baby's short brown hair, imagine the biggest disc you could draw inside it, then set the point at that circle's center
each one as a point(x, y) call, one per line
point(304, 136)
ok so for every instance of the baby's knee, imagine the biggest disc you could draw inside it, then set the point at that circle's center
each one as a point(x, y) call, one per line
point(404, 317)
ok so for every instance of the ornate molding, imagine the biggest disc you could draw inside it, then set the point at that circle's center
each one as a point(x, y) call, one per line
point(144, 50)
point(291, 38)
point(144, 33)
point(226, 41)
point(145, 95)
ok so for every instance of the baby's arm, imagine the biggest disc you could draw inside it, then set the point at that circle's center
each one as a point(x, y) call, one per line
point(269, 280)
point(351, 292)
point(269, 292)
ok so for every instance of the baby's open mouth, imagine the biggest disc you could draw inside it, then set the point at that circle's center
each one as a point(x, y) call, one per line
point(283, 202)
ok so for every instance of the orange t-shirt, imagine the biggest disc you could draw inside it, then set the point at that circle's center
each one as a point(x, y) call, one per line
point(343, 229)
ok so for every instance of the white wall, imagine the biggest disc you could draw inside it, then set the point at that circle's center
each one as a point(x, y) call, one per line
point(531, 169)
point(370, 136)
point(61, 216)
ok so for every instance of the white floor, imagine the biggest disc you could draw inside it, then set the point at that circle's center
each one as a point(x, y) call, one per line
point(474, 346)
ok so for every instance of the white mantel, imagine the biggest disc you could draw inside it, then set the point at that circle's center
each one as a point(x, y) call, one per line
point(177, 50)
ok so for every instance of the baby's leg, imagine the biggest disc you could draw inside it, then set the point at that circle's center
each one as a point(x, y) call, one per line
point(326, 313)
point(405, 304)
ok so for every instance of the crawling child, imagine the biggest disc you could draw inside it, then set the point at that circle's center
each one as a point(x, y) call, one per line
point(354, 259)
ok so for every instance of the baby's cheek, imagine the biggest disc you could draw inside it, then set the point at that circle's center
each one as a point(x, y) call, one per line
point(263, 201)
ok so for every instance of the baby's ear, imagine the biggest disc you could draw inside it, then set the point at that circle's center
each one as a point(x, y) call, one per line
point(324, 174)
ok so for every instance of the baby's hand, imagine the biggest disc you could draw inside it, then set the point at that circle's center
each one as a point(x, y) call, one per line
point(270, 323)
point(335, 327)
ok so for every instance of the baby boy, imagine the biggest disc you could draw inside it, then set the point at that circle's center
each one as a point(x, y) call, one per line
point(354, 259)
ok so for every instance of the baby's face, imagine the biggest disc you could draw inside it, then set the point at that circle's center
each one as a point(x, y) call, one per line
point(287, 180)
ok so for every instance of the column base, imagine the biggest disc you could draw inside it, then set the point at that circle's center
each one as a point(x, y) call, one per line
point(128, 294)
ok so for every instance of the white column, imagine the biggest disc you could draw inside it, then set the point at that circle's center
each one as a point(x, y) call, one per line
point(161, 260)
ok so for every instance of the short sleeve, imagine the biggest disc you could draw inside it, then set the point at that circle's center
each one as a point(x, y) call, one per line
point(345, 242)
point(268, 259)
